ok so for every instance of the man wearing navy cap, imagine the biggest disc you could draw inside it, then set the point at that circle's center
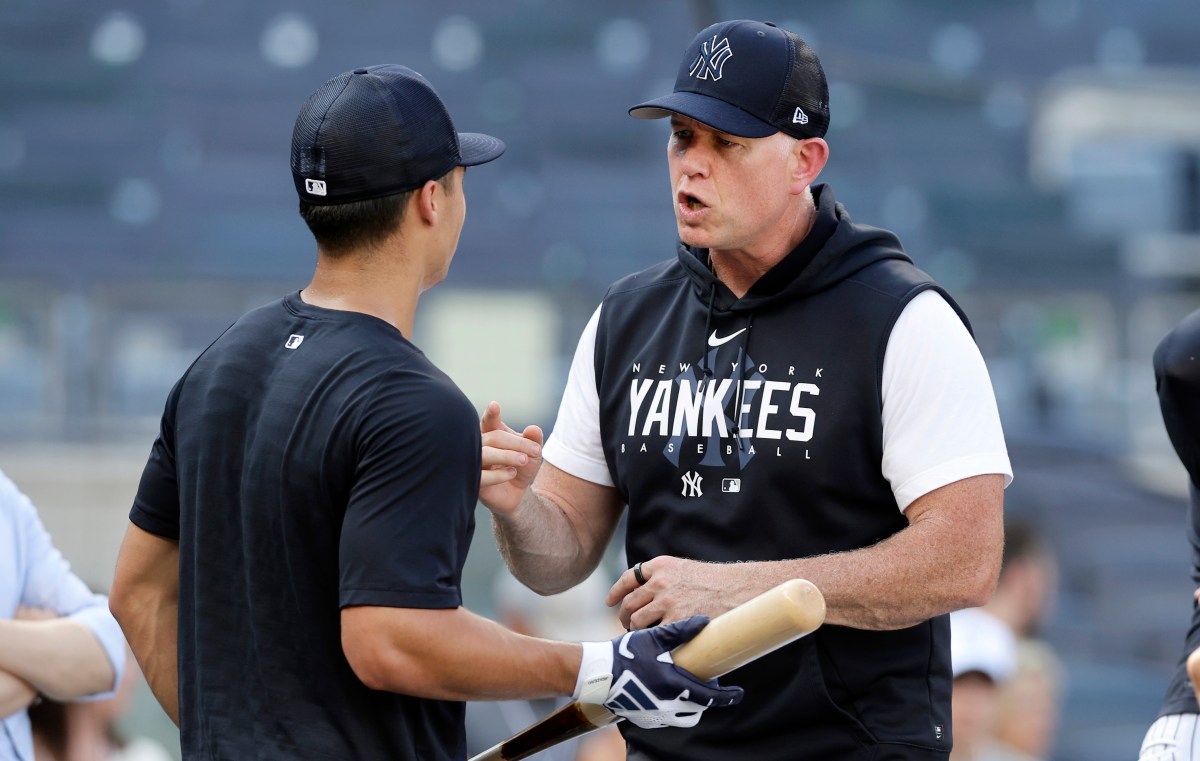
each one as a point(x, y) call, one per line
point(789, 396)
point(290, 579)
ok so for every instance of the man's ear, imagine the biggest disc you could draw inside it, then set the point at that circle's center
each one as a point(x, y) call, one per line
point(428, 199)
point(809, 157)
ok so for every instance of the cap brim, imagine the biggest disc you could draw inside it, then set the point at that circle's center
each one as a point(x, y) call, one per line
point(476, 148)
point(703, 108)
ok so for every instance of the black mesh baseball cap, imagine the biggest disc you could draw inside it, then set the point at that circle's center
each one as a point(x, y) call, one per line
point(375, 132)
point(748, 78)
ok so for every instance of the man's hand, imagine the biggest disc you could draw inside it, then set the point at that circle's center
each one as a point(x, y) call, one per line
point(15, 694)
point(510, 461)
point(634, 677)
point(676, 589)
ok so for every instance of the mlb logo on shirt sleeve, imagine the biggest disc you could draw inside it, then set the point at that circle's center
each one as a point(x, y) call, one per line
point(731, 485)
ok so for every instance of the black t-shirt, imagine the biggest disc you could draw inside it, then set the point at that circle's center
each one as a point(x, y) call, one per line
point(309, 460)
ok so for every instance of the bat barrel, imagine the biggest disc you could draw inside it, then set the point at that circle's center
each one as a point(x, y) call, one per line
point(759, 626)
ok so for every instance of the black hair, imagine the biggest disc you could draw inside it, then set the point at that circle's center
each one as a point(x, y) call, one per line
point(344, 227)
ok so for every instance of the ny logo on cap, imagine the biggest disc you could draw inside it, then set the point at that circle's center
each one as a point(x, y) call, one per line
point(316, 187)
point(711, 60)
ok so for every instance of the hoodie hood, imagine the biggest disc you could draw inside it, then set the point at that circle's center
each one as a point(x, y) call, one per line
point(848, 249)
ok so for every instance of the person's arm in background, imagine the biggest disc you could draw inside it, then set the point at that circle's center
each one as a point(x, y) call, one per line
point(145, 599)
point(60, 658)
point(79, 653)
point(15, 694)
point(57, 657)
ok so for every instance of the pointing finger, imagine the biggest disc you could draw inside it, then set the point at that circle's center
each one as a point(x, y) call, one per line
point(491, 418)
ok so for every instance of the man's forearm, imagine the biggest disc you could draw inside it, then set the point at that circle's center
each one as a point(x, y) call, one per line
point(453, 654)
point(15, 694)
point(541, 546)
point(149, 619)
point(155, 644)
point(946, 562)
point(59, 658)
point(947, 558)
point(885, 586)
point(145, 601)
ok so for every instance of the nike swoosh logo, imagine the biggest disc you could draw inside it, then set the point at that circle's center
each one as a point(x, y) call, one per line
point(714, 341)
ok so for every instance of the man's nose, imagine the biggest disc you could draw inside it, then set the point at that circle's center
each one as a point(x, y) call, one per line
point(696, 161)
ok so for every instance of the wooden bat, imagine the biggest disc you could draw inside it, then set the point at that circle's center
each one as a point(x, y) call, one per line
point(733, 639)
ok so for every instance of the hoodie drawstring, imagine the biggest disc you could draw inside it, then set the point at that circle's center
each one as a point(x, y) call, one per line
point(742, 357)
point(706, 371)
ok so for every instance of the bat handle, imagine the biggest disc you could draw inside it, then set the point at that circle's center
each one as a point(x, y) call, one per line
point(572, 720)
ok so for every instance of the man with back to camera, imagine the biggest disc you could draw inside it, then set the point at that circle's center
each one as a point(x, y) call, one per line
point(788, 397)
point(1175, 733)
point(290, 580)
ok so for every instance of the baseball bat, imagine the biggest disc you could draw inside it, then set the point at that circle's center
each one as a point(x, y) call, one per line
point(758, 626)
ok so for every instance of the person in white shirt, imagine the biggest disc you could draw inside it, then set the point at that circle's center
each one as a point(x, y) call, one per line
point(79, 652)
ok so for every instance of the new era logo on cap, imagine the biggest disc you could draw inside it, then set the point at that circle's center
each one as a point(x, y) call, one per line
point(799, 117)
point(317, 187)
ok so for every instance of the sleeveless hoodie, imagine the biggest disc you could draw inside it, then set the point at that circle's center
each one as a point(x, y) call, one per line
point(750, 430)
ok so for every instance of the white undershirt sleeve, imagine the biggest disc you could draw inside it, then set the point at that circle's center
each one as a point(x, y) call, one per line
point(940, 420)
point(574, 444)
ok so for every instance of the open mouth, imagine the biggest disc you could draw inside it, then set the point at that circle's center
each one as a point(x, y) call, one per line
point(690, 201)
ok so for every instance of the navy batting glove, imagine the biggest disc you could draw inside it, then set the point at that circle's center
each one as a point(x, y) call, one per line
point(634, 677)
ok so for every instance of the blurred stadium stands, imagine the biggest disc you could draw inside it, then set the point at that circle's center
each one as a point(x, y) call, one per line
point(1041, 158)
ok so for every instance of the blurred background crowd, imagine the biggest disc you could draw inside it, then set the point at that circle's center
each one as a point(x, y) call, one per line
point(1041, 158)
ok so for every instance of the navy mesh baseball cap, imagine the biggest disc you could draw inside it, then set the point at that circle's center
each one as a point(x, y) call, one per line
point(375, 132)
point(750, 79)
